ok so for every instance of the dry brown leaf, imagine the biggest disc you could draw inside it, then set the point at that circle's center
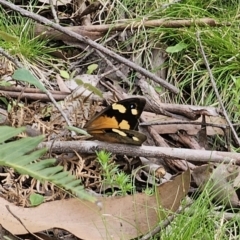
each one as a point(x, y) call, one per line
point(189, 128)
point(120, 217)
point(61, 84)
point(221, 182)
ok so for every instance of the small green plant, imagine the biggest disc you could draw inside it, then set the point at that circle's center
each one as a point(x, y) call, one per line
point(92, 68)
point(202, 220)
point(17, 37)
point(149, 191)
point(112, 176)
point(36, 199)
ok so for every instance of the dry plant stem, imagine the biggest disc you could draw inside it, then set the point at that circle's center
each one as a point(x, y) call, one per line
point(216, 91)
point(53, 12)
point(143, 151)
point(12, 59)
point(49, 33)
point(158, 140)
point(93, 44)
point(135, 24)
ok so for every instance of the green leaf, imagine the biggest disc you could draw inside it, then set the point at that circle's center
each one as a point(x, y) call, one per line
point(4, 100)
point(79, 82)
point(8, 37)
point(36, 199)
point(158, 89)
point(92, 68)
point(78, 130)
point(177, 48)
point(20, 156)
point(93, 89)
point(5, 83)
point(64, 74)
point(22, 74)
point(9, 132)
point(89, 87)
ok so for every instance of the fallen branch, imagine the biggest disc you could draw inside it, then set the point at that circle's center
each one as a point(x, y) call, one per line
point(143, 151)
point(30, 90)
point(94, 31)
point(93, 44)
point(34, 96)
point(31, 93)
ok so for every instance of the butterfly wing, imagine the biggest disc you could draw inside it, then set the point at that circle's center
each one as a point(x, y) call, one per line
point(121, 115)
point(117, 122)
point(114, 135)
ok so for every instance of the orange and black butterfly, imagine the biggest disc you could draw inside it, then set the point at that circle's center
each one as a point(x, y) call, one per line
point(118, 122)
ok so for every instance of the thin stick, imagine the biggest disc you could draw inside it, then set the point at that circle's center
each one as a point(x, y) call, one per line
point(93, 44)
point(53, 11)
point(222, 126)
point(134, 24)
point(31, 90)
point(216, 91)
point(12, 59)
point(33, 96)
point(19, 220)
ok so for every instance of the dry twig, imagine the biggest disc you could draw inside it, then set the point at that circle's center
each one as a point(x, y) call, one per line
point(31, 93)
point(12, 59)
point(134, 24)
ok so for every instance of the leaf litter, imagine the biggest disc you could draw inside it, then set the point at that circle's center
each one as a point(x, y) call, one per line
point(119, 218)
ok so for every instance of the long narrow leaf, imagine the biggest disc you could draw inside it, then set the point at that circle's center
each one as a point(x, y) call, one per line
point(9, 132)
point(59, 176)
point(13, 150)
point(22, 74)
point(26, 159)
point(52, 172)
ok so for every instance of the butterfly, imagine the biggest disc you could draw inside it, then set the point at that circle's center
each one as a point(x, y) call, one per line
point(118, 122)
